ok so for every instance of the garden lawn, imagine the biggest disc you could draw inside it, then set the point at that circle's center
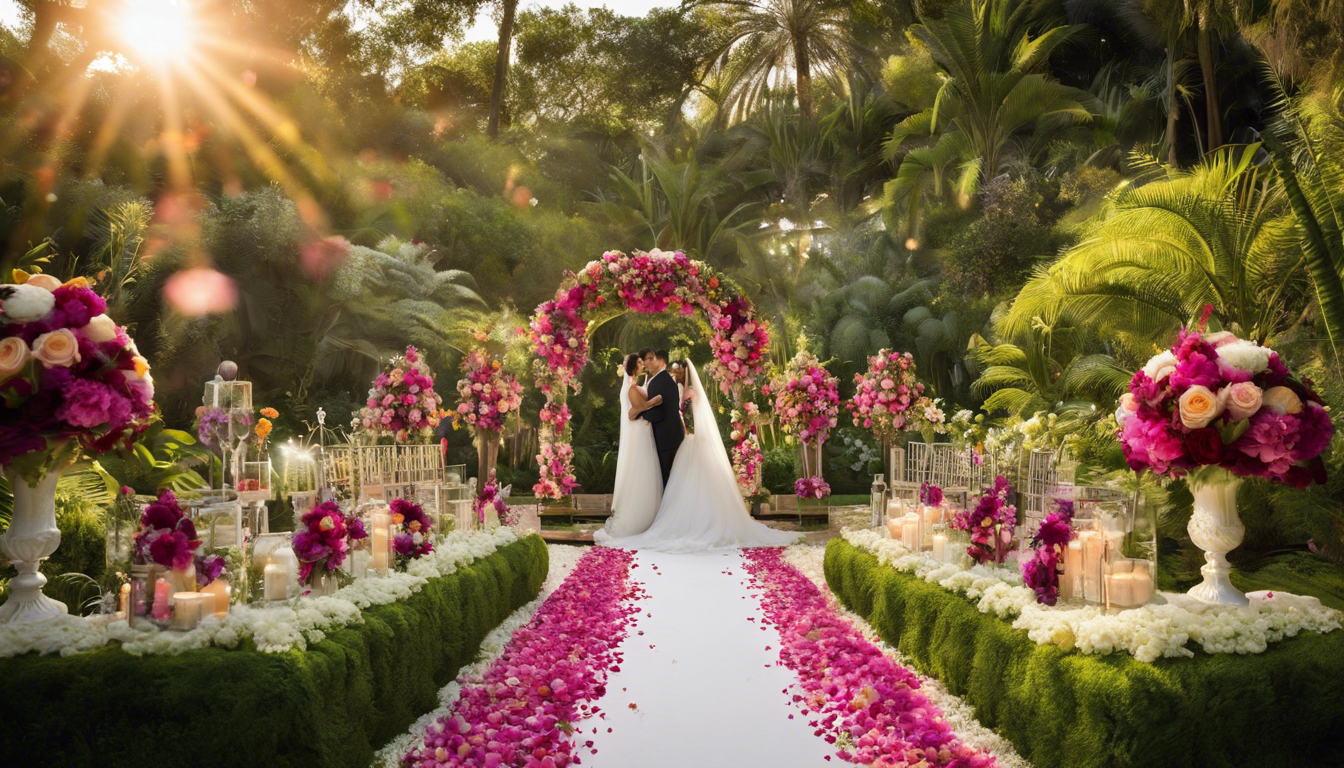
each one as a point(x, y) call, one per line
point(330, 705)
point(1063, 709)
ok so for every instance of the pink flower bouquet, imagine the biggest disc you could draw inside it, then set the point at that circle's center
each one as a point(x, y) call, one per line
point(811, 488)
point(991, 524)
point(410, 532)
point(402, 403)
point(1219, 402)
point(491, 498)
point(487, 395)
point(1042, 570)
point(70, 377)
point(807, 399)
point(889, 400)
point(325, 539)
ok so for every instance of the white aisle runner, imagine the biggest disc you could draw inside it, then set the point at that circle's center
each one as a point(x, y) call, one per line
point(704, 696)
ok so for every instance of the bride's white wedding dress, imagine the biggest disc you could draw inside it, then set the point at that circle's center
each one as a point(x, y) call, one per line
point(702, 510)
point(639, 481)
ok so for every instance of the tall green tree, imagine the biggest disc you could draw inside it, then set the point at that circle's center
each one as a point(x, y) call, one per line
point(994, 94)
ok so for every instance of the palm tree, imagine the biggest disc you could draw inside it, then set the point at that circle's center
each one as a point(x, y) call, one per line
point(1219, 234)
point(992, 95)
point(772, 35)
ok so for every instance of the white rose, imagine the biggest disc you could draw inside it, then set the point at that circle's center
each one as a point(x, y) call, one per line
point(14, 355)
point(26, 303)
point(100, 329)
point(1161, 363)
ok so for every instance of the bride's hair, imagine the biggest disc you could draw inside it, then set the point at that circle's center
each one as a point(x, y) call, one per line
point(631, 363)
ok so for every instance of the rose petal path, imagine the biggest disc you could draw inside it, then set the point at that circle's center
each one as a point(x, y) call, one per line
point(702, 686)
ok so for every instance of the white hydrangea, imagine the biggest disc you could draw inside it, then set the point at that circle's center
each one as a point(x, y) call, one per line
point(1245, 356)
point(1157, 630)
point(274, 629)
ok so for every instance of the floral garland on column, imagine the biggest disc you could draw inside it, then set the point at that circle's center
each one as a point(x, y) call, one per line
point(748, 459)
point(648, 283)
point(807, 401)
point(402, 403)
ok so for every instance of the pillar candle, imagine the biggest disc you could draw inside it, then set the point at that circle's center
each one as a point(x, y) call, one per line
point(1120, 590)
point(1091, 564)
point(220, 591)
point(275, 582)
point(379, 543)
point(186, 610)
point(1143, 582)
point(940, 547)
point(1073, 568)
point(161, 609)
point(933, 515)
point(207, 604)
point(126, 600)
point(894, 528)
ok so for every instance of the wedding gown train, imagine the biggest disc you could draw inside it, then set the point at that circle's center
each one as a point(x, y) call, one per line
point(701, 509)
point(639, 481)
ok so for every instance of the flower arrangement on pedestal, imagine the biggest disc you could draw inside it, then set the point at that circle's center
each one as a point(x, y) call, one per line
point(1215, 401)
point(991, 524)
point(491, 497)
point(811, 488)
point(411, 538)
point(487, 394)
point(888, 398)
point(652, 282)
point(168, 538)
point(325, 540)
point(807, 399)
point(70, 377)
point(1042, 570)
point(402, 403)
point(930, 495)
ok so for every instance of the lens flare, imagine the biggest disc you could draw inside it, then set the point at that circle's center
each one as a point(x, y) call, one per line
point(156, 30)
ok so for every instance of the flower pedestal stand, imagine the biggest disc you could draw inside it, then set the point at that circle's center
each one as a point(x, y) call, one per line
point(487, 452)
point(1216, 528)
point(32, 537)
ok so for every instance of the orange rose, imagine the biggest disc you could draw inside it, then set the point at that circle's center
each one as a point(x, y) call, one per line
point(14, 355)
point(57, 349)
point(270, 413)
point(1198, 406)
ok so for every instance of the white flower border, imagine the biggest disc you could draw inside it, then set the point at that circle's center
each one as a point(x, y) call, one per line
point(273, 629)
point(808, 559)
point(563, 558)
point(1148, 633)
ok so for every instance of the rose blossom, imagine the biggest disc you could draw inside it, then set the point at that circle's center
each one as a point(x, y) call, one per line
point(14, 356)
point(1160, 366)
point(1282, 400)
point(45, 282)
point(1205, 446)
point(100, 329)
point(1199, 406)
point(1241, 400)
point(57, 349)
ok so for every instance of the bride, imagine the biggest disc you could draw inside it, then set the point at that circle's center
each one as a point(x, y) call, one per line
point(638, 478)
point(701, 508)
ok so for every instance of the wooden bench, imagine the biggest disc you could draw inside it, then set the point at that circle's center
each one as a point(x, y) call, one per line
point(582, 506)
point(787, 506)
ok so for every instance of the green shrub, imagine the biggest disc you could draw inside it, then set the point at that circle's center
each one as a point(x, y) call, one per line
point(780, 468)
point(1062, 709)
point(330, 705)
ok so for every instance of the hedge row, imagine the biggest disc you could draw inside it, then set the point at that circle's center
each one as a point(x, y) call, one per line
point(1064, 709)
point(331, 705)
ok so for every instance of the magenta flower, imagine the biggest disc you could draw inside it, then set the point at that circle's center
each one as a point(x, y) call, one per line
point(171, 549)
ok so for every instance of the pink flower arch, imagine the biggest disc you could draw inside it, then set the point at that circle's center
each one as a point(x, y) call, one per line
point(647, 283)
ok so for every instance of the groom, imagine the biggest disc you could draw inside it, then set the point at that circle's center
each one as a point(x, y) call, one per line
point(667, 429)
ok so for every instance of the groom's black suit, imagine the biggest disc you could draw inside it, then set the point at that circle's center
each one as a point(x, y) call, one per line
point(665, 418)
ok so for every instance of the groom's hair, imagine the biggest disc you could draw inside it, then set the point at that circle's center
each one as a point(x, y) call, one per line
point(661, 355)
point(643, 353)
point(631, 363)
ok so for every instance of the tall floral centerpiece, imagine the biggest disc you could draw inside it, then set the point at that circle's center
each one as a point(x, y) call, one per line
point(748, 460)
point(650, 283)
point(807, 402)
point(889, 399)
point(72, 380)
point(402, 404)
point(1042, 570)
point(1215, 409)
point(486, 397)
point(991, 524)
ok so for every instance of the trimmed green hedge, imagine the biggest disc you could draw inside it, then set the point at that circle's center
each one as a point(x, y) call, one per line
point(331, 705)
point(1064, 709)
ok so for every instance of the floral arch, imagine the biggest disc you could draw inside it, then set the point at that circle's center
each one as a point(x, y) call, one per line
point(648, 283)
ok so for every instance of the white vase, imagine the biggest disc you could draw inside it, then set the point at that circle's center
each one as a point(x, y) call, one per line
point(32, 537)
point(1216, 528)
